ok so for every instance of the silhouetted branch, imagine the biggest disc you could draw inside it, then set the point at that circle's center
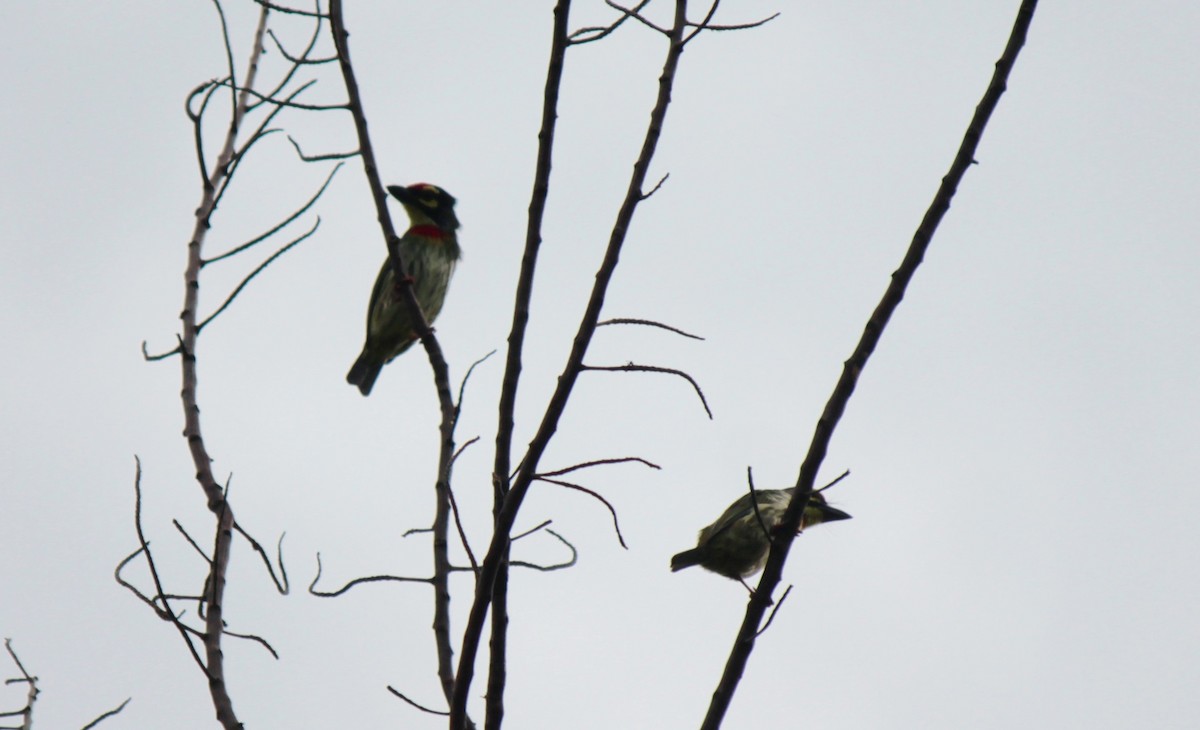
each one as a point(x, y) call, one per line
point(422, 708)
point(281, 225)
point(257, 270)
point(554, 566)
point(114, 711)
point(280, 581)
point(634, 368)
point(496, 591)
point(596, 495)
point(26, 712)
point(321, 158)
point(312, 587)
point(598, 462)
point(492, 574)
point(836, 405)
point(596, 32)
point(778, 605)
point(291, 11)
point(649, 323)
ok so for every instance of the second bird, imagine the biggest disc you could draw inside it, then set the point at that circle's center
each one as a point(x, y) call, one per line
point(429, 249)
point(736, 545)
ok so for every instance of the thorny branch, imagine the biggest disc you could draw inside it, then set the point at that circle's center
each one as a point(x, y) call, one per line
point(835, 407)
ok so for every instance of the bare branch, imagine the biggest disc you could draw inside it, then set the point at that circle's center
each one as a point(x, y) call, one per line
point(31, 694)
point(312, 587)
point(422, 708)
point(280, 581)
point(599, 462)
point(114, 711)
point(778, 605)
point(554, 566)
point(492, 576)
point(257, 270)
point(634, 368)
point(321, 158)
point(633, 13)
point(836, 405)
point(281, 225)
point(291, 11)
point(657, 185)
point(579, 488)
point(595, 33)
point(649, 323)
point(300, 60)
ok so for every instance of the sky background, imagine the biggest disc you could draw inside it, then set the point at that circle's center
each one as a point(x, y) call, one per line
point(1022, 445)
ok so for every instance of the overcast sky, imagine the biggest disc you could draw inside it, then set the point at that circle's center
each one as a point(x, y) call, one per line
point(1023, 446)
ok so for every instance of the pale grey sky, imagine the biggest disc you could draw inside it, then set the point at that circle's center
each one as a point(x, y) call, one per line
point(1022, 446)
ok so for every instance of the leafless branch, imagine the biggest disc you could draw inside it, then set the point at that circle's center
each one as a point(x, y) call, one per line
point(114, 711)
point(26, 712)
point(774, 610)
point(596, 32)
point(595, 495)
point(649, 323)
point(598, 462)
point(554, 566)
point(321, 158)
point(415, 704)
point(634, 368)
point(257, 270)
point(744, 643)
point(312, 587)
point(491, 584)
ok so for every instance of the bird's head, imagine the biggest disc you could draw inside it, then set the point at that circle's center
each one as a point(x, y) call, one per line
point(818, 511)
point(427, 205)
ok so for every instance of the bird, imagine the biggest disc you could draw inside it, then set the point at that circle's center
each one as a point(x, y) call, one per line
point(736, 545)
point(430, 252)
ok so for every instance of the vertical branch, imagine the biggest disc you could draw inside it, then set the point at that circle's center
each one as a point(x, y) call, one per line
point(437, 360)
point(214, 624)
point(502, 467)
point(566, 382)
point(201, 459)
point(785, 533)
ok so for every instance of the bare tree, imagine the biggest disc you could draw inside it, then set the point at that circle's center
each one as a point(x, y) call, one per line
point(254, 107)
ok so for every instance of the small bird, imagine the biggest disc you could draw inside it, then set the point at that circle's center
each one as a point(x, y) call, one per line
point(429, 249)
point(736, 545)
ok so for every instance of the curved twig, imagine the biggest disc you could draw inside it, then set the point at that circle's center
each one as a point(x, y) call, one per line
point(635, 368)
point(649, 323)
point(312, 587)
point(595, 495)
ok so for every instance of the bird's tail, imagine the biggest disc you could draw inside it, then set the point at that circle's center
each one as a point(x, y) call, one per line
point(686, 559)
point(364, 372)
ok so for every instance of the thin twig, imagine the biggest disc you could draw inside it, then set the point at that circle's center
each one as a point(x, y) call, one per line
point(635, 368)
point(114, 711)
point(312, 587)
point(650, 323)
point(422, 708)
point(595, 495)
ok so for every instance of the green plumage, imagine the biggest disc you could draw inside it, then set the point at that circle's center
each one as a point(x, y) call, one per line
point(736, 545)
point(430, 252)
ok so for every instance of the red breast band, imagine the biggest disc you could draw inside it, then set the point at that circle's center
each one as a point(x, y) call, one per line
point(427, 231)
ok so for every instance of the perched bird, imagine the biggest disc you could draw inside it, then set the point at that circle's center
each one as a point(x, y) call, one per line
point(429, 249)
point(736, 545)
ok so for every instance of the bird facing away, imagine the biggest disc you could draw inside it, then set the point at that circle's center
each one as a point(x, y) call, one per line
point(429, 250)
point(736, 545)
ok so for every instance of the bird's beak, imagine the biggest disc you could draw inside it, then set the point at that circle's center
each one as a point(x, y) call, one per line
point(399, 192)
point(832, 514)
